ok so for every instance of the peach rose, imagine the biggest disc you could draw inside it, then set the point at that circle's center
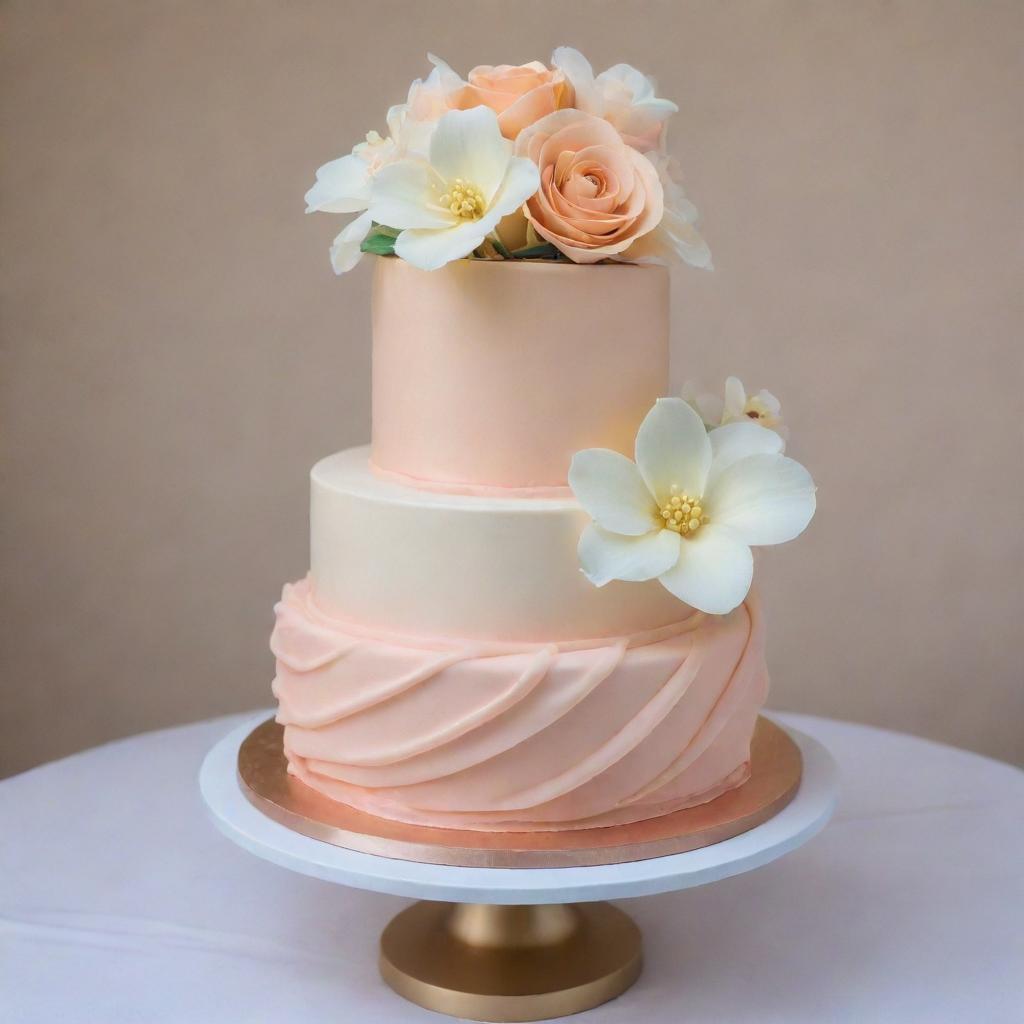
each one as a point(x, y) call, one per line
point(518, 95)
point(597, 195)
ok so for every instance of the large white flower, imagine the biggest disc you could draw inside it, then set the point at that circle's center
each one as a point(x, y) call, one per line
point(345, 185)
point(690, 508)
point(622, 95)
point(447, 205)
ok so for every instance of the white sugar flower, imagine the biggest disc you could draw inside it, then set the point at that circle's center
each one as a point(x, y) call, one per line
point(690, 508)
point(447, 205)
point(345, 185)
point(737, 406)
point(763, 408)
point(621, 95)
point(676, 237)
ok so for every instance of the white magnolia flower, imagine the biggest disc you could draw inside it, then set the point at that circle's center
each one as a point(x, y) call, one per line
point(447, 205)
point(737, 406)
point(346, 184)
point(621, 95)
point(676, 237)
point(690, 508)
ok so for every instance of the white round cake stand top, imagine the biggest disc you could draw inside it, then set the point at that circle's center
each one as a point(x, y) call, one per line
point(241, 822)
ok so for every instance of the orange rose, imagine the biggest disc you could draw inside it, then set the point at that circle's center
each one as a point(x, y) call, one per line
point(518, 95)
point(597, 195)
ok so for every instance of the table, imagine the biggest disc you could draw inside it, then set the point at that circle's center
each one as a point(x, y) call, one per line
point(120, 902)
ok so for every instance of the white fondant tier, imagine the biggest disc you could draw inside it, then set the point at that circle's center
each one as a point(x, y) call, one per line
point(392, 557)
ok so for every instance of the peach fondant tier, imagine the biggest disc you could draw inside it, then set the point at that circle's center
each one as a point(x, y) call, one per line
point(484, 568)
point(518, 737)
point(492, 375)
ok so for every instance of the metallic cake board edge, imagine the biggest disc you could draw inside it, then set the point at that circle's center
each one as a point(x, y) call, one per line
point(776, 770)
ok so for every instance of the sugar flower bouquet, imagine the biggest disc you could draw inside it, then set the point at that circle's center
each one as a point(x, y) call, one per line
point(528, 162)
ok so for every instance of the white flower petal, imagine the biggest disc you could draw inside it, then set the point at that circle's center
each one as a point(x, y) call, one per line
point(577, 69)
point(735, 399)
point(708, 407)
point(714, 570)
point(770, 402)
point(342, 186)
point(430, 249)
point(612, 492)
point(736, 441)
point(764, 499)
point(396, 116)
point(522, 179)
point(683, 239)
point(345, 250)
point(640, 87)
point(468, 144)
point(672, 448)
point(607, 556)
point(405, 195)
point(443, 75)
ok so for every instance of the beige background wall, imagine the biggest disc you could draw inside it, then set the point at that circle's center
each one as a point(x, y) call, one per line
point(177, 353)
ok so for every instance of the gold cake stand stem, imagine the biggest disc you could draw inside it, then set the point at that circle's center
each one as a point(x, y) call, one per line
point(510, 963)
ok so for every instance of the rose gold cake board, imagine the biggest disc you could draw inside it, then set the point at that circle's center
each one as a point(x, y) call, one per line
point(776, 768)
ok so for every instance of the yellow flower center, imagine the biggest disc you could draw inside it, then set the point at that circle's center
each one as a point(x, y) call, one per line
point(682, 514)
point(757, 411)
point(464, 200)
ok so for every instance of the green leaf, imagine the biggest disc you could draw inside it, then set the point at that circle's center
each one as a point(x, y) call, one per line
point(379, 243)
point(534, 252)
point(499, 246)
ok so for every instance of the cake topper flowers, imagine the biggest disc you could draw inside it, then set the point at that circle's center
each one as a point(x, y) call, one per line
point(690, 508)
point(602, 185)
point(445, 206)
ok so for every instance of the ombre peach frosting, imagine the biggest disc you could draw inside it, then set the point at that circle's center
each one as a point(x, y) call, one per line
point(445, 663)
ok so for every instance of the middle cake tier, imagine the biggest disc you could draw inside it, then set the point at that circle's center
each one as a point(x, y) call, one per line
point(394, 558)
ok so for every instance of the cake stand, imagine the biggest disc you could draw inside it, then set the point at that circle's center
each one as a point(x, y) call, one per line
point(511, 943)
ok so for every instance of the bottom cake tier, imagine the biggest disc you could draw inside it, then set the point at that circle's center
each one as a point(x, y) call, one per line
point(518, 737)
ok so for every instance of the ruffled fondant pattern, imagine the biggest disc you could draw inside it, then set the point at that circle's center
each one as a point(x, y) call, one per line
point(518, 737)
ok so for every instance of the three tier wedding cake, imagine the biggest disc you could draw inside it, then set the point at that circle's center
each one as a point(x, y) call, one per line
point(529, 602)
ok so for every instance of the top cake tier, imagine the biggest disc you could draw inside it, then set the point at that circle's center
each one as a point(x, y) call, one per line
point(491, 376)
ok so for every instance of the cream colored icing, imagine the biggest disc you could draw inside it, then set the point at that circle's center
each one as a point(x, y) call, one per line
point(495, 374)
point(517, 736)
point(471, 566)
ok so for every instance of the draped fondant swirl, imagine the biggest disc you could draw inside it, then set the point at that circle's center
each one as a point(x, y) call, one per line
point(518, 737)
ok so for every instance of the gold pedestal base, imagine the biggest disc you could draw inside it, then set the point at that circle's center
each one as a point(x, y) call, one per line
point(510, 963)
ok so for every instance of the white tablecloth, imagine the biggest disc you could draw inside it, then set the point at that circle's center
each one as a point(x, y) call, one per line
point(120, 902)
